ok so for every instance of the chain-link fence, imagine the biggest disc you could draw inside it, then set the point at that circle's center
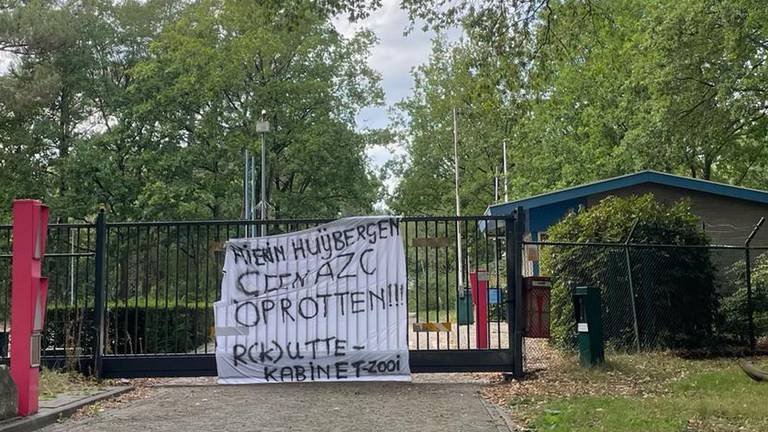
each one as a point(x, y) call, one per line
point(694, 299)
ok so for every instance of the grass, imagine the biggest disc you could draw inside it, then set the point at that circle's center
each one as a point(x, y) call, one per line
point(649, 392)
point(55, 382)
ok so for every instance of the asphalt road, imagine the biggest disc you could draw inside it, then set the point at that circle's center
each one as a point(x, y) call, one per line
point(366, 406)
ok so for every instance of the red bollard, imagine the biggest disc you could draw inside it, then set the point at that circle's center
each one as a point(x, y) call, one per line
point(28, 296)
point(478, 281)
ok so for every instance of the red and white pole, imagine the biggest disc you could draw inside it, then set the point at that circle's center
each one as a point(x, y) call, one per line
point(28, 294)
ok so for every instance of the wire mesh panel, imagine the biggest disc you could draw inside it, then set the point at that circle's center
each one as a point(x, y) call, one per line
point(656, 297)
point(748, 305)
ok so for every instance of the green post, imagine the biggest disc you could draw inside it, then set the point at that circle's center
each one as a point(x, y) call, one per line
point(465, 309)
point(589, 325)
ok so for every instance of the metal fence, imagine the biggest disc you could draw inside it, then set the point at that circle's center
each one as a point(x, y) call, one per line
point(694, 299)
point(69, 265)
point(138, 291)
point(150, 286)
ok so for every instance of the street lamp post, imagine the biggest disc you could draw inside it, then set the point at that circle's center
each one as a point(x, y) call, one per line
point(262, 127)
point(459, 250)
point(247, 190)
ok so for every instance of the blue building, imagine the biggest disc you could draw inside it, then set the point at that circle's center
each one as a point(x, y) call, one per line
point(727, 212)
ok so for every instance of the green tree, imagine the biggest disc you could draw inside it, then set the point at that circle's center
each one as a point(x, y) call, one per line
point(66, 93)
point(466, 78)
point(144, 107)
point(209, 76)
point(592, 89)
point(675, 86)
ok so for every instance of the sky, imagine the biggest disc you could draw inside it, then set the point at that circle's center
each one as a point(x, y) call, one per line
point(394, 57)
point(6, 61)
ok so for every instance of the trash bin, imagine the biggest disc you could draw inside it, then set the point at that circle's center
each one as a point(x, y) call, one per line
point(465, 309)
point(589, 325)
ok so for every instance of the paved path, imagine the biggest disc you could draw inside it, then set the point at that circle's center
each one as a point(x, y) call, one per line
point(423, 407)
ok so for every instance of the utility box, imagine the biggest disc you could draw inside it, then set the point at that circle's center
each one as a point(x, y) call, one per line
point(589, 325)
point(465, 312)
point(536, 294)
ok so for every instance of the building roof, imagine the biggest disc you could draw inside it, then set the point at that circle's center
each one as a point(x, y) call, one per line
point(648, 176)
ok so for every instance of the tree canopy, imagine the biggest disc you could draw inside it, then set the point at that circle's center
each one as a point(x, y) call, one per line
point(587, 90)
point(146, 107)
point(674, 307)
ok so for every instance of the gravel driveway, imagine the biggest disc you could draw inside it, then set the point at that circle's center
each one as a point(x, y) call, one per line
point(368, 406)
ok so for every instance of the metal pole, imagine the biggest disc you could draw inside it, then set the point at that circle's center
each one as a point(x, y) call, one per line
point(262, 127)
point(99, 292)
point(263, 186)
point(246, 193)
point(632, 287)
point(504, 153)
point(253, 194)
point(513, 235)
point(71, 267)
point(748, 276)
point(460, 257)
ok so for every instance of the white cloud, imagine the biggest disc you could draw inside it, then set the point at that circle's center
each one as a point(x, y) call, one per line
point(7, 61)
point(393, 57)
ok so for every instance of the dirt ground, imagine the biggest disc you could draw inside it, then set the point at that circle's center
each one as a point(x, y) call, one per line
point(436, 402)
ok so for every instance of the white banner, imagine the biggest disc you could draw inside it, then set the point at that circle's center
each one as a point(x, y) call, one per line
point(324, 304)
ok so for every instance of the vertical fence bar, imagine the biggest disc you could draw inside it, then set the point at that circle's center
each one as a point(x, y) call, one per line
point(407, 289)
point(750, 318)
point(464, 255)
point(457, 284)
point(636, 328)
point(513, 232)
point(509, 235)
point(449, 305)
point(99, 292)
point(147, 271)
point(748, 275)
point(155, 313)
point(416, 289)
point(137, 287)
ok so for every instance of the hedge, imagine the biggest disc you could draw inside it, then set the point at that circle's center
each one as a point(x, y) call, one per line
point(131, 329)
point(734, 308)
point(674, 288)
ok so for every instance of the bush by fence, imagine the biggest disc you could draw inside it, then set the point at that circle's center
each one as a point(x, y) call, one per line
point(668, 292)
point(736, 306)
point(142, 329)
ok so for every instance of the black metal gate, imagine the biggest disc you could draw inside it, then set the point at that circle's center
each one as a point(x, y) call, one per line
point(134, 299)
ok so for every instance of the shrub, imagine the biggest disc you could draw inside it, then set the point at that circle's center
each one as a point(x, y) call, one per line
point(131, 329)
point(674, 288)
point(734, 307)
